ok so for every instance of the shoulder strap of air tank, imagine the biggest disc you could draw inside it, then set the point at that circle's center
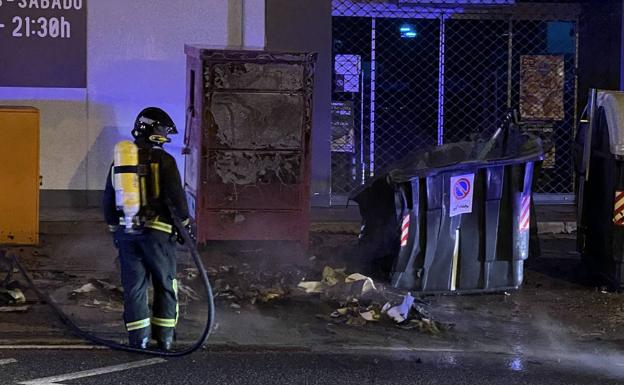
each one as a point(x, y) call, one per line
point(143, 167)
point(154, 162)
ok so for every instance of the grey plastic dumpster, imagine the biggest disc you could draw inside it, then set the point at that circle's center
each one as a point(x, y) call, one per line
point(600, 164)
point(454, 218)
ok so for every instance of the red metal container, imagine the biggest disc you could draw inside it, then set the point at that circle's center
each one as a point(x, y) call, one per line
point(247, 174)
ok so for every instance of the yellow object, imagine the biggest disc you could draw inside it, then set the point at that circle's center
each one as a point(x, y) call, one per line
point(136, 325)
point(455, 262)
point(19, 175)
point(155, 167)
point(126, 181)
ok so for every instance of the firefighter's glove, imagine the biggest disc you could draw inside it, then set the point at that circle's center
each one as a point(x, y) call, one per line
point(189, 226)
point(190, 229)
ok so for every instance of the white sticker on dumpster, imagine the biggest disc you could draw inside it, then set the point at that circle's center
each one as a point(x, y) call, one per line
point(461, 194)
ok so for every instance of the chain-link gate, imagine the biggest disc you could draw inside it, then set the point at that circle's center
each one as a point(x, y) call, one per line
point(409, 74)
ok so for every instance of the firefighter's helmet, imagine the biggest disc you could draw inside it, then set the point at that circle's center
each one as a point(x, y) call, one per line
point(155, 125)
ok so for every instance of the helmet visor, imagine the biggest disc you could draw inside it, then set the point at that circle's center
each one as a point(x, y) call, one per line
point(157, 127)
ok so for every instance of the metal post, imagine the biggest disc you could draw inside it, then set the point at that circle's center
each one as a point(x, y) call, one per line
point(362, 164)
point(372, 102)
point(576, 82)
point(509, 63)
point(441, 69)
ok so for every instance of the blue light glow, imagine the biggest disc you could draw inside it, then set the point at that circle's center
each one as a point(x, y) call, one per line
point(408, 31)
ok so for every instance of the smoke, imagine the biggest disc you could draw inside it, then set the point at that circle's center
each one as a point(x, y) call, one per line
point(555, 343)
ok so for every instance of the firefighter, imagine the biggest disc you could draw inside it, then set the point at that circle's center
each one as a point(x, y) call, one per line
point(141, 186)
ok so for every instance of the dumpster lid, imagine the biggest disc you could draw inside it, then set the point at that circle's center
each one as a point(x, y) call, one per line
point(459, 156)
point(612, 102)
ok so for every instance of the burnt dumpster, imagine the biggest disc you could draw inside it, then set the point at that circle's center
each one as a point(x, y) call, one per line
point(248, 158)
point(454, 218)
point(600, 167)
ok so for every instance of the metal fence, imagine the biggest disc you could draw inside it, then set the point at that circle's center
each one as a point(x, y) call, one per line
point(413, 74)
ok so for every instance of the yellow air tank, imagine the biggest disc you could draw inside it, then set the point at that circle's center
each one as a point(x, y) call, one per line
point(126, 178)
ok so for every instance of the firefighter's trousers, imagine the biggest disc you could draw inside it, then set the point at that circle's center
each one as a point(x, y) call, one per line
point(145, 256)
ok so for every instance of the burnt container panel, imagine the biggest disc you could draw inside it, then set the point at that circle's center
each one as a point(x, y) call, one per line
point(257, 121)
point(254, 180)
point(247, 171)
point(258, 76)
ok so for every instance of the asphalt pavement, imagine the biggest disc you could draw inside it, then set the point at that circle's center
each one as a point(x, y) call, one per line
point(105, 367)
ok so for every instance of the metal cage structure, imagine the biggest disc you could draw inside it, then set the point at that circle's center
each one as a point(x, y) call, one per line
point(411, 74)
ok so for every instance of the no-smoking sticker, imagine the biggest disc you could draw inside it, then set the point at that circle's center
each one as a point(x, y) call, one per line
point(461, 194)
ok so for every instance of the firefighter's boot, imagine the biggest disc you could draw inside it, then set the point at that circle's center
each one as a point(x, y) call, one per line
point(165, 338)
point(139, 338)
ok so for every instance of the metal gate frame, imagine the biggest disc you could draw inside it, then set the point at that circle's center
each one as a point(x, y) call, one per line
point(524, 12)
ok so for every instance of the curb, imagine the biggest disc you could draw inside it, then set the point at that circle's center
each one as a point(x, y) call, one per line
point(347, 227)
point(563, 227)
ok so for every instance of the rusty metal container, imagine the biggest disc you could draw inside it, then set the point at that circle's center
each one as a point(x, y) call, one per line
point(247, 173)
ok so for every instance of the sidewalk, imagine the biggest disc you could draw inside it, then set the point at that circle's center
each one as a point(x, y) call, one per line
point(551, 311)
point(551, 218)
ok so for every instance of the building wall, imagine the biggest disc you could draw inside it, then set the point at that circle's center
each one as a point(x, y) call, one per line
point(135, 59)
point(600, 47)
point(304, 25)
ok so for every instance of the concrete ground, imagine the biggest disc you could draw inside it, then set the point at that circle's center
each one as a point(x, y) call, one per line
point(554, 318)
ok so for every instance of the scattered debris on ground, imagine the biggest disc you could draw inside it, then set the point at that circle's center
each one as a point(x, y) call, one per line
point(360, 300)
point(11, 294)
point(99, 294)
point(189, 273)
point(109, 306)
point(336, 284)
point(360, 303)
point(401, 312)
point(12, 297)
point(98, 286)
point(243, 285)
point(102, 294)
point(186, 291)
point(13, 309)
point(409, 315)
point(311, 287)
point(52, 275)
point(86, 288)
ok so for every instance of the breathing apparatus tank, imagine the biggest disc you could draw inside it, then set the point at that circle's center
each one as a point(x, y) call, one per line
point(126, 181)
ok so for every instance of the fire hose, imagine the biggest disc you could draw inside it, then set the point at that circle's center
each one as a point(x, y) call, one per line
point(75, 329)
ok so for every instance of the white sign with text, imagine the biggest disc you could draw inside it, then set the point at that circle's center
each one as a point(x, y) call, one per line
point(461, 194)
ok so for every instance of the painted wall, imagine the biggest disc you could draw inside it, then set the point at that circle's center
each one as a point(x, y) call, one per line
point(135, 59)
